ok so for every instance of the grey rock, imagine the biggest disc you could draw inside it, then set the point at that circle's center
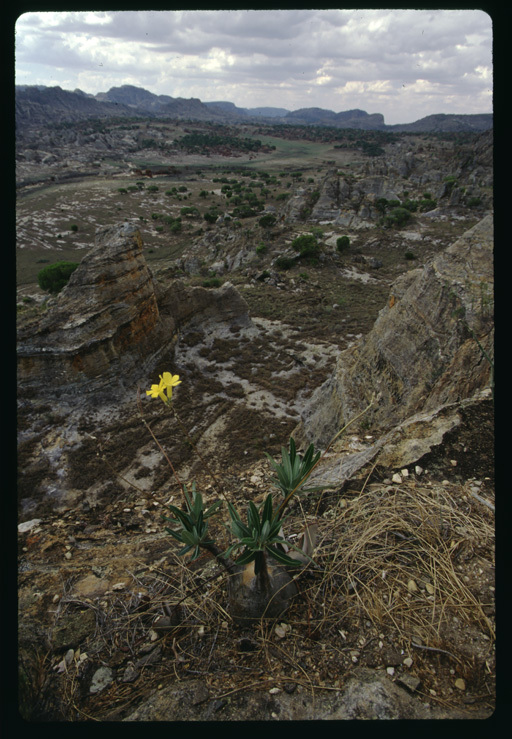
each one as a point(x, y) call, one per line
point(420, 353)
point(101, 680)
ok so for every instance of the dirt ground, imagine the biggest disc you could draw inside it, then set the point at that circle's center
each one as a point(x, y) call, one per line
point(403, 576)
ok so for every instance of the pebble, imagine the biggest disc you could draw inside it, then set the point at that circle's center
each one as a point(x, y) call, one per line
point(408, 661)
point(418, 470)
point(410, 682)
point(460, 684)
point(101, 679)
point(396, 478)
point(412, 587)
point(390, 670)
point(68, 555)
point(28, 525)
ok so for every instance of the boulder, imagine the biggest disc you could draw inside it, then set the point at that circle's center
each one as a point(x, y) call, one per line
point(112, 322)
point(426, 348)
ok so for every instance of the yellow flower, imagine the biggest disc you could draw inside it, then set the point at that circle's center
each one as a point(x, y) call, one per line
point(157, 391)
point(167, 382)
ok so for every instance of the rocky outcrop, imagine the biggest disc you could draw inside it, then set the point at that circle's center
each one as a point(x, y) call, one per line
point(112, 321)
point(426, 348)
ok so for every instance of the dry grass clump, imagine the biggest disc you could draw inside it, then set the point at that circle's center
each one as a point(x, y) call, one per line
point(395, 565)
point(394, 555)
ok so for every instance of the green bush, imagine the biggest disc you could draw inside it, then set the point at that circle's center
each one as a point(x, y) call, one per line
point(285, 262)
point(54, 277)
point(411, 205)
point(342, 243)
point(267, 221)
point(212, 282)
point(427, 204)
point(397, 217)
point(306, 245)
point(211, 216)
point(73, 227)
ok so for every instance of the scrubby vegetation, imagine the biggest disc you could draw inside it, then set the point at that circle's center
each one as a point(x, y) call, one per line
point(54, 277)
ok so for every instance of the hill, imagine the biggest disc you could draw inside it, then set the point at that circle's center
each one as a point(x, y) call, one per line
point(38, 105)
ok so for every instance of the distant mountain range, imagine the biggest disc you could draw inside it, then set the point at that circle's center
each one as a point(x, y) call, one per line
point(40, 105)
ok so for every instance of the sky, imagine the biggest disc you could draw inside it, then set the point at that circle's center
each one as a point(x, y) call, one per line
point(405, 64)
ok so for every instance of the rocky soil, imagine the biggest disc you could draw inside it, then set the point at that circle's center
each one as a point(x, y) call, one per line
point(395, 618)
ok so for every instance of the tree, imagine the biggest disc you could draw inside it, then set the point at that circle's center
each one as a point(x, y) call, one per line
point(397, 217)
point(306, 245)
point(342, 243)
point(54, 277)
point(267, 221)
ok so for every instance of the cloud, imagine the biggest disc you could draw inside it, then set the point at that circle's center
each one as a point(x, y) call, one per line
point(410, 63)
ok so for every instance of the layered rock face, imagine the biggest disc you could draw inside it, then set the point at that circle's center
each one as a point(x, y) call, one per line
point(422, 351)
point(106, 327)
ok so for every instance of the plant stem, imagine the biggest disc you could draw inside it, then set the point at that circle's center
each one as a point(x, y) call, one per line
point(158, 443)
point(283, 505)
point(218, 485)
point(226, 562)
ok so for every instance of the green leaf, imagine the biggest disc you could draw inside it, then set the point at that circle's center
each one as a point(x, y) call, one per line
point(265, 530)
point(176, 534)
point(267, 509)
point(281, 557)
point(246, 557)
point(212, 509)
point(253, 517)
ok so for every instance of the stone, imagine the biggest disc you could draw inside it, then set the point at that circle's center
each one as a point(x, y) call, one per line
point(410, 682)
point(111, 323)
point(72, 629)
point(26, 526)
point(101, 680)
point(419, 354)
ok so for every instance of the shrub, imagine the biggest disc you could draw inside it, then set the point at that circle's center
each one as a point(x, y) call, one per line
point(342, 243)
point(73, 227)
point(187, 211)
point(306, 245)
point(211, 216)
point(381, 204)
point(474, 202)
point(427, 204)
point(212, 282)
point(54, 277)
point(267, 221)
point(397, 217)
point(285, 262)
point(152, 188)
point(410, 255)
point(411, 205)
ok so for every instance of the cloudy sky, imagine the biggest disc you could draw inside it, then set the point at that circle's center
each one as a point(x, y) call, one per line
point(405, 64)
